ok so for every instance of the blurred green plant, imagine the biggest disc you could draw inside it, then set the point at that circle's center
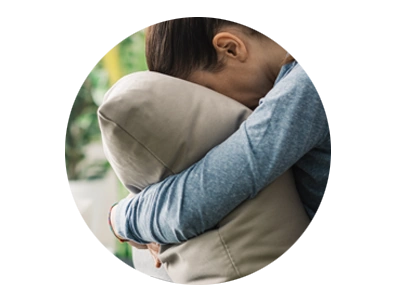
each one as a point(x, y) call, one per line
point(132, 54)
point(83, 128)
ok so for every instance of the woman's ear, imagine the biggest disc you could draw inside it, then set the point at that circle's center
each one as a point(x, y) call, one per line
point(229, 45)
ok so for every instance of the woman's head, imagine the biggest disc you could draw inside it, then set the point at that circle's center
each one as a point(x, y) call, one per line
point(225, 56)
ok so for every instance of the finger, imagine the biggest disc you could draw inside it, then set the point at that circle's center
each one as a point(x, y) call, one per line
point(158, 264)
point(157, 261)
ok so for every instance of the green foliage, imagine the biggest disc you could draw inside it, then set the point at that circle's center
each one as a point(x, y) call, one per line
point(124, 250)
point(132, 54)
point(83, 127)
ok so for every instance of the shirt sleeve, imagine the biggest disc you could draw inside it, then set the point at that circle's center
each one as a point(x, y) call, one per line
point(288, 123)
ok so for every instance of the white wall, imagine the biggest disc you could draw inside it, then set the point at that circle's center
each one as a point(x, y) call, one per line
point(90, 202)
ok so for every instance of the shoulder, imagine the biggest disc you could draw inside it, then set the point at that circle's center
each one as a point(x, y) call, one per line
point(294, 94)
point(293, 80)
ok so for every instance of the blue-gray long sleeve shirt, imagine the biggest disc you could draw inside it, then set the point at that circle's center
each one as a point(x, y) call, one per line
point(288, 129)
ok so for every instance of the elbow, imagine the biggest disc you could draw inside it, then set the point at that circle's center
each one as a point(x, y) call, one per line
point(185, 226)
point(183, 230)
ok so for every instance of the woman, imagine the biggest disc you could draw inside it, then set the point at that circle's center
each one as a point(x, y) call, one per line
point(288, 128)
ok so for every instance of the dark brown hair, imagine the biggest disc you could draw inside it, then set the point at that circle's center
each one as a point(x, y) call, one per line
point(180, 46)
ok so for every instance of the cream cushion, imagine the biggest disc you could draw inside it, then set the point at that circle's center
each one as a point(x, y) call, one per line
point(153, 126)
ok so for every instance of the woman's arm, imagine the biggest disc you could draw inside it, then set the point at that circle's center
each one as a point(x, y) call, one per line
point(289, 122)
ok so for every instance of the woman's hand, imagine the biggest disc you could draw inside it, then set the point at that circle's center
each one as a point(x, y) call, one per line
point(153, 248)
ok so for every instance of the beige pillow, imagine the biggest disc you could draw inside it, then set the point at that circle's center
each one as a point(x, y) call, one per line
point(154, 126)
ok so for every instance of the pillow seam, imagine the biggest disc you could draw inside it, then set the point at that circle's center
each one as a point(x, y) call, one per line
point(228, 253)
point(139, 142)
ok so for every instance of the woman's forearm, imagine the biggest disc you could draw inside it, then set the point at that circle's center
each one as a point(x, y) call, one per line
point(289, 123)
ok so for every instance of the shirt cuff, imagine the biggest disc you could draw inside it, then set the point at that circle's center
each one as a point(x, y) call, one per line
point(121, 224)
point(111, 223)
